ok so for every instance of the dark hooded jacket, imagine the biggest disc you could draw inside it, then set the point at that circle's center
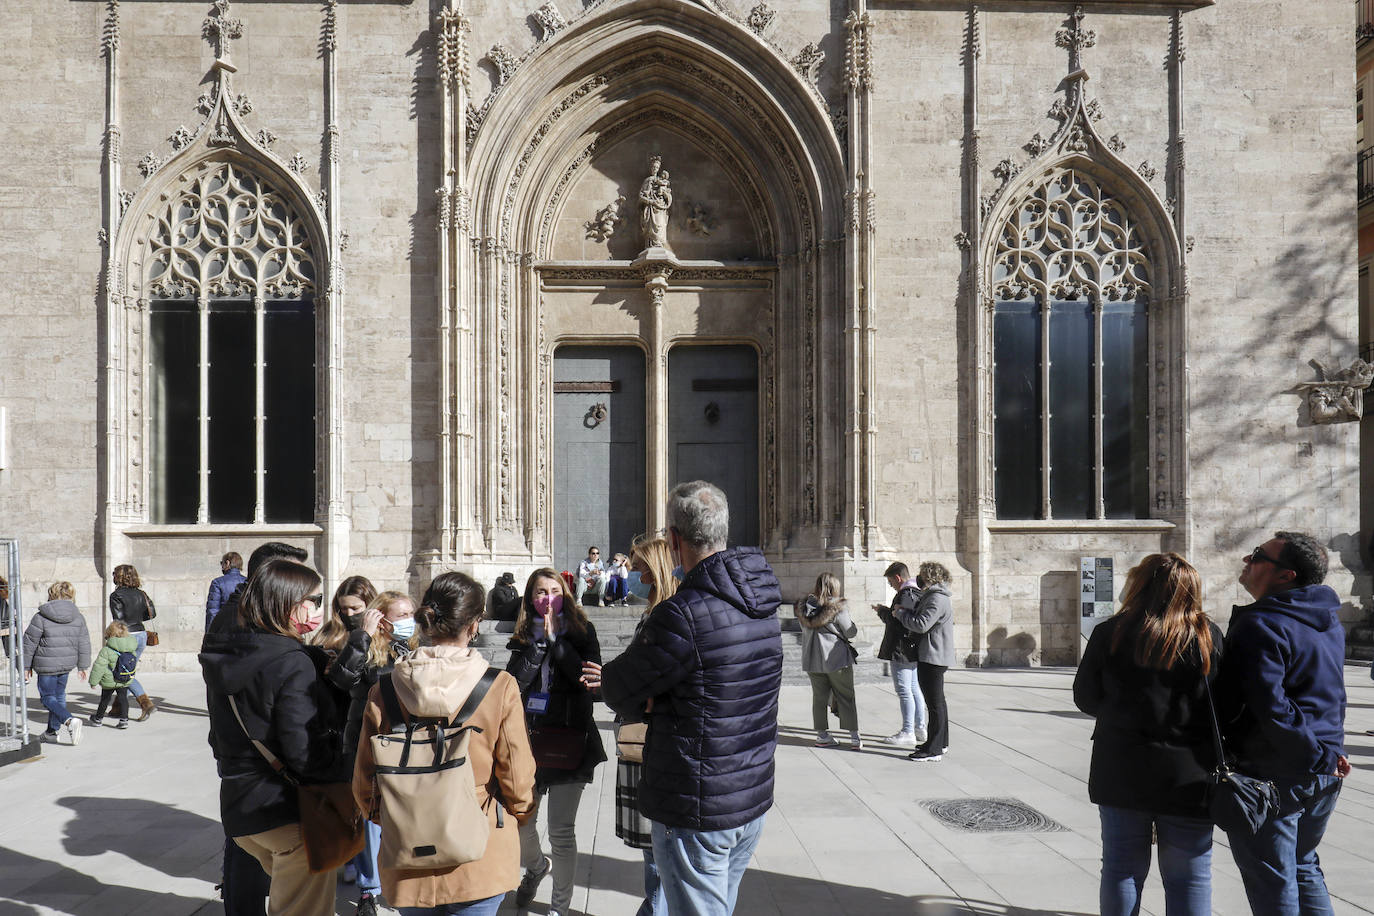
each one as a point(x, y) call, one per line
point(710, 658)
point(278, 685)
point(1282, 684)
point(56, 639)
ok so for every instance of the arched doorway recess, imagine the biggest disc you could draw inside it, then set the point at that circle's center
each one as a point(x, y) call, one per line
point(546, 249)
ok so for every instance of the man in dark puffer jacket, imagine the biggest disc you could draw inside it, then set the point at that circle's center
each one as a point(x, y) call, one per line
point(706, 665)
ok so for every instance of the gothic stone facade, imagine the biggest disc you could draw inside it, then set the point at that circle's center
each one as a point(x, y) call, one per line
point(1015, 285)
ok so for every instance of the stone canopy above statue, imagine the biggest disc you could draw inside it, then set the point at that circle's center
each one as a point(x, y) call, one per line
point(659, 195)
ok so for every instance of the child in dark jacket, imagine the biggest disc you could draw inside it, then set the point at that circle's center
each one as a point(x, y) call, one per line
point(110, 675)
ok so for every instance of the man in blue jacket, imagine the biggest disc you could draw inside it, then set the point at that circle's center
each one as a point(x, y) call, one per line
point(706, 667)
point(1282, 692)
point(231, 565)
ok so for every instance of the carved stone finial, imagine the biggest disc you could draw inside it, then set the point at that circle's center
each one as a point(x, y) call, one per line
point(505, 62)
point(109, 39)
point(808, 61)
point(266, 138)
point(329, 29)
point(1037, 145)
point(219, 28)
point(180, 138)
point(1146, 170)
point(1075, 38)
point(760, 17)
point(298, 165)
point(550, 20)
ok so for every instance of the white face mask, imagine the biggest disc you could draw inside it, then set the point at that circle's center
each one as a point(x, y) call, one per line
point(403, 628)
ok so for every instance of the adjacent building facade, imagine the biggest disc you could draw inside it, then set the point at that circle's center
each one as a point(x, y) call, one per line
point(437, 285)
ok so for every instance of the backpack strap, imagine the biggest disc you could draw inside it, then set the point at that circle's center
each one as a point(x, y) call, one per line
point(475, 698)
point(392, 704)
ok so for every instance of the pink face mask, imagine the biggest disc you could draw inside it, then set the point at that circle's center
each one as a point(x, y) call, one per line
point(307, 626)
point(546, 603)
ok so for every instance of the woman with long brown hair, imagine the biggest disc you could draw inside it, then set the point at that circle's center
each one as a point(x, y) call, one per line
point(131, 606)
point(1144, 677)
point(552, 640)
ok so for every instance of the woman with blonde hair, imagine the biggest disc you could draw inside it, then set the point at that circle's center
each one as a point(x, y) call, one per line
point(828, 659)
point(1144, 677)
point(552, 640)
point(131, 606)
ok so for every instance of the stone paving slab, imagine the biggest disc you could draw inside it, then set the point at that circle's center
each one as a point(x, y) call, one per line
point(127, 823)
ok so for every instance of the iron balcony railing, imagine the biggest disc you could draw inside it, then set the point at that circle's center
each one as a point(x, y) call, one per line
point(1364, 20)
point(1364, 177)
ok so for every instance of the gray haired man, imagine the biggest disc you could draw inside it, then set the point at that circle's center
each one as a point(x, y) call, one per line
point(704, 671)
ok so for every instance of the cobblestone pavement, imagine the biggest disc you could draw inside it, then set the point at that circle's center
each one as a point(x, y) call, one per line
point(127, 822)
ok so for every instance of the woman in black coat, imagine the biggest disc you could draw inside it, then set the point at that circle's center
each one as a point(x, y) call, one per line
point(131, 606)
point(1144, 678)
point(262, 681)
point(553, 637)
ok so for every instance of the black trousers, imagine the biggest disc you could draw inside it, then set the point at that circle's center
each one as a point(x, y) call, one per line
point(931, 680)
point(121, 693)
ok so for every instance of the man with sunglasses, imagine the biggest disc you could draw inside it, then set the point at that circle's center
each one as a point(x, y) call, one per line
point(1281, 693)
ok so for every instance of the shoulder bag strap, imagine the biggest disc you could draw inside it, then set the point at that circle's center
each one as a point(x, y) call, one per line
point(1216, 728)
point(272, 760)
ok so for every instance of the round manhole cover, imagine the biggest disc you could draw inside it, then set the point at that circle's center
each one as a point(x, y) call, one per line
point(989, 815)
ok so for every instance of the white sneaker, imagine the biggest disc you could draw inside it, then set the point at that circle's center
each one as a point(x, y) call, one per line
point(902, 739)
point(825, 739)
point(73, 729)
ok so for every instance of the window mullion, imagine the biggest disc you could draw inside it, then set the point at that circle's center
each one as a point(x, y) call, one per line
point(1099, 463)
point(203, 414)
point(259, 410)
point(1045, 509)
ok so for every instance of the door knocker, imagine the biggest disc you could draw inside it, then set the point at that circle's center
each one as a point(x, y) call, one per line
point(712, 413)
point(596, 415)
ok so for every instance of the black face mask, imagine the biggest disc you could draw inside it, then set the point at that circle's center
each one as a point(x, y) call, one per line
point(352, 621)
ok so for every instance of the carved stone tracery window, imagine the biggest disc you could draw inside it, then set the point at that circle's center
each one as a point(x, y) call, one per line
point(231, 281)
point(1071, 283)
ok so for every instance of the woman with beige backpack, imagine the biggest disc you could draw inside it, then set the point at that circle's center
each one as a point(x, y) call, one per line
point(441, 714)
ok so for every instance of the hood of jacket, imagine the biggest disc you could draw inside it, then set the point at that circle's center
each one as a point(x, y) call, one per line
point(433, 681)
point(739, 576)
point(231, 661)
point(1314, 606)
point(122, 643)
point(938, 588)
point(815, 614)
point(61, 610)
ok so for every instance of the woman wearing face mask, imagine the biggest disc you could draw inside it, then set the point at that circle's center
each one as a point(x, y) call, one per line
point(280, 698)
point(553, 638)
point(363, 656)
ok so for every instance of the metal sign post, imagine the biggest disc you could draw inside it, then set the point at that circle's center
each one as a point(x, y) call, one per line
point(1096, 600)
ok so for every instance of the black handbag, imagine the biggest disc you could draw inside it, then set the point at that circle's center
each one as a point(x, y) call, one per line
point(1237, 803)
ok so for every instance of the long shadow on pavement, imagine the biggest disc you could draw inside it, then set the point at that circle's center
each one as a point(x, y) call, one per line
point(30, 880)
point(178, 843)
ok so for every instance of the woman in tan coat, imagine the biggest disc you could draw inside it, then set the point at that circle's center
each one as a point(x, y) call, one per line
point(434, 682)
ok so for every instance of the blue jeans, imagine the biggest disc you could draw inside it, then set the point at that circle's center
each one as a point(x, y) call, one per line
point(52, 690)
point(654, 903)
point(486, 907)
point(908, 695)
point(1185, 862)
point(141, 637)
point(701, 869)
point(369, 878)
point(1279, 864)
point(617, 588)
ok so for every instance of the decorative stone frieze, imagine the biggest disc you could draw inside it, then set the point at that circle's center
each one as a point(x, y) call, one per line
point(760, 17)
point(505, 62)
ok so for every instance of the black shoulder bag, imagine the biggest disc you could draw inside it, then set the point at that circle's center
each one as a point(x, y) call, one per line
point(1237, 803)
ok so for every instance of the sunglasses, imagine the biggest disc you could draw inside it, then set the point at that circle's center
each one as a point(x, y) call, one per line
point(1259, 556)
point(317, 599)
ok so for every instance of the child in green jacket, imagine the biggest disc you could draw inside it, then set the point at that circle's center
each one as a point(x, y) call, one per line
point(109, 675)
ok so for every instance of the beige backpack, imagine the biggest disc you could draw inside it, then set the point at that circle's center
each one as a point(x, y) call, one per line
point(429, 812)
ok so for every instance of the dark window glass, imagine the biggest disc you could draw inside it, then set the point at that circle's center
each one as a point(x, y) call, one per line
point(1125, 414)
point(233, 489)
point(174, 401)
point(289, 446)
point(1016, 408)
point(1071, 410)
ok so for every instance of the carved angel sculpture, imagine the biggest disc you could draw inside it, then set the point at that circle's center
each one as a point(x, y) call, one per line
point(603, 225)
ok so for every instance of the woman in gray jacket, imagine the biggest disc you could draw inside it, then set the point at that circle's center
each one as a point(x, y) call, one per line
point(55, 642)
point(828, 659)
point(933, 621)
